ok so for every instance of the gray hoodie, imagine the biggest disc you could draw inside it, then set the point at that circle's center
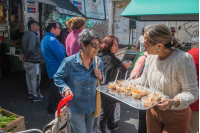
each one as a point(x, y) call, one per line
point(31, 47)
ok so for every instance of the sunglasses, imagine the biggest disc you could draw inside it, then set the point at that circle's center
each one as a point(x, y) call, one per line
point(145, 43)
point(94, 45)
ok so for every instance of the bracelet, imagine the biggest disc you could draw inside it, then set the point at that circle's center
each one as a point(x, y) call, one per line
point(173, 104)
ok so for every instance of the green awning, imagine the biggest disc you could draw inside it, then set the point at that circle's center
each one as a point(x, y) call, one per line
point(162, 10)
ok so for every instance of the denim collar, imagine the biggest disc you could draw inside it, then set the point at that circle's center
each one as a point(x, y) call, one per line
point(77, 59)
point(51, 34)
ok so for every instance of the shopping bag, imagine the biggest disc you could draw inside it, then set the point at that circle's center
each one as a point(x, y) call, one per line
point(53, 126)
point(98, 95)
point(117, 112)
point(61, 122)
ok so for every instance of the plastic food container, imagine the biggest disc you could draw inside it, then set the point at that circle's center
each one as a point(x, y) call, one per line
point(148, 101)
point(158, 96)
point(112, 91)
point(127, 61)
point(139, 93)
point(128, 91)
point(120, 89)
point(134, 88)
point(113, 85)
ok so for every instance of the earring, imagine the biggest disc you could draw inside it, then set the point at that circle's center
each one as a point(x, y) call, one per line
point(159, 50)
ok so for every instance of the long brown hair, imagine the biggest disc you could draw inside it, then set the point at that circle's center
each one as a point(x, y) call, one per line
point(107, 43)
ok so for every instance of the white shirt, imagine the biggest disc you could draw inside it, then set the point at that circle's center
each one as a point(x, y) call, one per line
point(174, 76)
point(141, 39)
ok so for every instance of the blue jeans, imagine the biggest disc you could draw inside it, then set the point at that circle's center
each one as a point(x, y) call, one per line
point(82, 123)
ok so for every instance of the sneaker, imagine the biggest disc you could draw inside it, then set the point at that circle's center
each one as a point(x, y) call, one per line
point(41, 98)
point(115, 128)
point(30, 96)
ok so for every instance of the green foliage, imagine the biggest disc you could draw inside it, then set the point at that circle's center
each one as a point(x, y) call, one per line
point(4, 120)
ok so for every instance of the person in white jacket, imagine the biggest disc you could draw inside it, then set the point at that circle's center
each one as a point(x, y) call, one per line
point(172, 72)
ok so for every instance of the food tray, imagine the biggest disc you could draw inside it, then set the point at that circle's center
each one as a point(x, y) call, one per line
point(131, 101)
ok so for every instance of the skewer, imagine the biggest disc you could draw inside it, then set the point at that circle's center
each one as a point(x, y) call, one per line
point(116, 76)
point(125, 76)
point(145, 83)
point(153, 91)
point(130, 76)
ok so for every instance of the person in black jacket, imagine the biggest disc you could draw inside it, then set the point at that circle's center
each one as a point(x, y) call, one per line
point(109, 47)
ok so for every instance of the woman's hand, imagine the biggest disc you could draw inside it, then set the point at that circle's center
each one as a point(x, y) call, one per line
point(67, 93)
point(98, 73)
point(21, 58)
point(165, 104)
point(127, 65)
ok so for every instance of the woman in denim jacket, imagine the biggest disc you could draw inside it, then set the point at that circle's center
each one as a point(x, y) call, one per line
point(78, 76)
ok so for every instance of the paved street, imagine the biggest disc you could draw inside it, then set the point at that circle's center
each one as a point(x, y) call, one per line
point(14, 97)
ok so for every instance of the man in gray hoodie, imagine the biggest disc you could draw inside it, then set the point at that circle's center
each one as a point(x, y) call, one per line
point(30, 54)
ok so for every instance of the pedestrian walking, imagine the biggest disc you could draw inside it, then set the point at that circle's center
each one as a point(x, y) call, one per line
point(194, 120)
point(78, 76)
point(109, 47)
point(77, 24)
point(30, 54)
point(53, 53)
point(172, 72)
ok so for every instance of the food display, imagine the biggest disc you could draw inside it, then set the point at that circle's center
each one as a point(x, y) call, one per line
point(148, 101)
point(137, 96)
point(139, 93)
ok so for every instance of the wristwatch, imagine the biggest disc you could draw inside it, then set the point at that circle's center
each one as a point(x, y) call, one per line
point(173, 104)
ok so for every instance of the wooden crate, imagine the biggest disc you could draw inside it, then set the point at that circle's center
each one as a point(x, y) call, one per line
point(18, 124)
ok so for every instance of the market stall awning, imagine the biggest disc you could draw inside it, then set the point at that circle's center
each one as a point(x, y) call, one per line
point(65, 4)
point(162, 10)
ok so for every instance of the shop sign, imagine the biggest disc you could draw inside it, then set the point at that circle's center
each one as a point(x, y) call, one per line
point(30, 4)
point(31, 10)
point(77, 5)
point(94, 9)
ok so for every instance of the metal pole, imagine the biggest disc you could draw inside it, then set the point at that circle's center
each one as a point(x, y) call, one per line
point(130, 33)
point(8, 20)
point(132, 38)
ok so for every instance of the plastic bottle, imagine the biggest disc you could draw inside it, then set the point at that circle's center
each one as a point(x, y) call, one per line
point(141, 47)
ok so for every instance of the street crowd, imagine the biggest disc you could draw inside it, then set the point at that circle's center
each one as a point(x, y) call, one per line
point(69, 56)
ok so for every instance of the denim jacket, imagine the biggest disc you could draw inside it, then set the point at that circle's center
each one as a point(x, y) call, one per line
point(81, 81)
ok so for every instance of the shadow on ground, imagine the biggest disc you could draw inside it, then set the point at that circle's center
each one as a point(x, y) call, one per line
point(14, 98)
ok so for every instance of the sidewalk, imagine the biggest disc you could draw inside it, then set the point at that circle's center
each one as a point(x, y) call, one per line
point(14, 97)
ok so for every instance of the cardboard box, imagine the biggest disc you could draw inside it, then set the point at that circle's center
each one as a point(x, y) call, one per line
point(18, 124)
point(1, 13)
point(1, 7)
point(12, 18)
point(2, 18)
